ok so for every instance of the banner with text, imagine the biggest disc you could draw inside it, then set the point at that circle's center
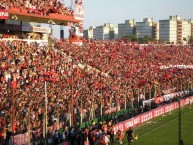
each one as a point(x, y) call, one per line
point(4, 14)
point(135, 121)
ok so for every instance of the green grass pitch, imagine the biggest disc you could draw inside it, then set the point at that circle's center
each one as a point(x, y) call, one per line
point(163, 130)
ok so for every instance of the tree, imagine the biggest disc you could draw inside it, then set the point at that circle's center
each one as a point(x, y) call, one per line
point(131, 38)
point(144, 40)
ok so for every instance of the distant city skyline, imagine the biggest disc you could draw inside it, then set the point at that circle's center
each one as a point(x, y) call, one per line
point(98, 12)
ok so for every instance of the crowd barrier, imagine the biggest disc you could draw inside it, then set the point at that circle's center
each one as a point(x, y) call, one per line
point(142, 118)
point(22, 139)
point(105, 117)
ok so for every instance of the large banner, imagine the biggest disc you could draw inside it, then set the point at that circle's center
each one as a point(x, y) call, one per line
point(79, 15)
point(4, 14)
point(36, 29)
point(176, 67)
point(135, 121)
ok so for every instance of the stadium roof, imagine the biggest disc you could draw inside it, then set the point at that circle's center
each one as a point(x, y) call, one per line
point(52, 18)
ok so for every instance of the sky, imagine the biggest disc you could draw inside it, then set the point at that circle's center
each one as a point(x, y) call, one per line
point(98, 12)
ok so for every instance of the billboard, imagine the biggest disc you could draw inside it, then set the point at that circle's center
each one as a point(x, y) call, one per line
point(4, 14)
point(36, 29)
point(79, 15)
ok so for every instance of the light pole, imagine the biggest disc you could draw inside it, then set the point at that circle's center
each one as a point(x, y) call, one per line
point(13, 114)
point(45, 114)
point(179, 124)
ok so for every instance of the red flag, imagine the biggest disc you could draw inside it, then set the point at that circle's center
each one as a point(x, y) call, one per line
point(14, 84)
point(69, 80)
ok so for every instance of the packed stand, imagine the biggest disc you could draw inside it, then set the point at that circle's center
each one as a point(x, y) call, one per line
point(40, 7)
point(129, 73)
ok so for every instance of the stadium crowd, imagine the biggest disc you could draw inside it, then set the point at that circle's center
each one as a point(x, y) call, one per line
point(40, 7)
point(86, 81)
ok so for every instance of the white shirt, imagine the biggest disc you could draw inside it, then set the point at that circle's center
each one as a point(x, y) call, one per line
point(106, 140)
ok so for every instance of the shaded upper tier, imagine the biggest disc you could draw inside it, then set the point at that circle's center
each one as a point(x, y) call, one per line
point(42, 11)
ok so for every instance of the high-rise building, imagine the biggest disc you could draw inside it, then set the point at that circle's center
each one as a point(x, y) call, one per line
point(85, 33)
point(127, 28)
point(175, 30)
point(106, 32)
point(89, 33)
point(192, 29)
point(168, 30)
point(113, 32)
point(186, 31)
point(147, 28)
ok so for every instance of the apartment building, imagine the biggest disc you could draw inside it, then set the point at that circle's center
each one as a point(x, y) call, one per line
point(175, 30)
point(127, 28)
point(171, 30)
point(89, 33)
point(113, 32)
point(168, 30)
point(147, 28)
point(186, 31)
point(106, 32)
point(191, 22)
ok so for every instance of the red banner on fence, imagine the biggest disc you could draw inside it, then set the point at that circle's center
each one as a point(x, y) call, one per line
point(135, 121)
point(4, 14)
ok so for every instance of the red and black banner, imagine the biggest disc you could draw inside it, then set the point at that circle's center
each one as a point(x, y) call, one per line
point(4, 14)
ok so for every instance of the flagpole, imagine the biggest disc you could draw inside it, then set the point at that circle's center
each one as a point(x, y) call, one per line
point(29, 115)
point(138, 97)
point(101, 99)
point(13, 114)
point(177, 85)
point(72, 101)
point(91, 106)
point(150, 93)
point(46, 106)
point(125, 102)
point(81, 114)
point(58, 117)
point(111, 102)
point(70, 118)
